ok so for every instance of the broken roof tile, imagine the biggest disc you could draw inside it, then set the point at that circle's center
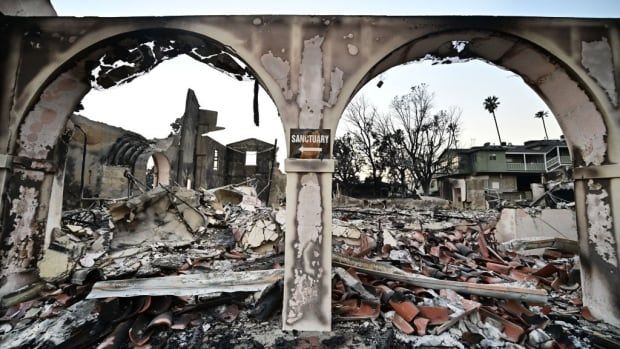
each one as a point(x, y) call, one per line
point(402, 324)
point(420, 325)
point(406, 309)
point(436, 315)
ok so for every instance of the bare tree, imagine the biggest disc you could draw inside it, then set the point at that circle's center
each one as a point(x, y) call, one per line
point(438, 134)
point(394, 159)
point(363, 117)
point(349, 162)
point(427, 134)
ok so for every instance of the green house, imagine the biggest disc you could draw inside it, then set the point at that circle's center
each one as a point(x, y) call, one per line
point(511, 172)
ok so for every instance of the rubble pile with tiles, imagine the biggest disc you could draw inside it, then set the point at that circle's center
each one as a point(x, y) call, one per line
point(459, 247)
point(174, 267)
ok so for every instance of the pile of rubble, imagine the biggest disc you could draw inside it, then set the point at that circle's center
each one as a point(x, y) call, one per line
point(448, 283)
point(165, 256)
point(174, 267)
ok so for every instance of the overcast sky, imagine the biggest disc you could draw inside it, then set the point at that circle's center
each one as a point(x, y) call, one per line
point(151, 102)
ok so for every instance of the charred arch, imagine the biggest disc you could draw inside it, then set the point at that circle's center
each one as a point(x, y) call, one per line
point(311, 66)
point(575, 105)
point(131, 55)
point(121, 58)
point(584, 107)
point(114, 60)
point(162, 169)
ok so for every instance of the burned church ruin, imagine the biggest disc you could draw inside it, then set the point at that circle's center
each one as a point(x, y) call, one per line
point(108, 162)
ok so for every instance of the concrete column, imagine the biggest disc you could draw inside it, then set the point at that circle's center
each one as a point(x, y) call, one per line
point(54, 213)
point(22, 244)
point(308, 247)
point(598, 213)
point(31, 184)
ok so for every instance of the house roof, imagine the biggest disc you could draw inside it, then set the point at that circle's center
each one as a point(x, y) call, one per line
point(539, 146)
point(534, 146)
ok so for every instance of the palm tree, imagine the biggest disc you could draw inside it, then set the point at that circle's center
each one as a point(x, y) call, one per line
point(490, 104)
point(542, 115)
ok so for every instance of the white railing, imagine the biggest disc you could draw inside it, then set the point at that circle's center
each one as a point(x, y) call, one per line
point(551, 162)
point(515, 166)
point(530, 166)
point(535, 166)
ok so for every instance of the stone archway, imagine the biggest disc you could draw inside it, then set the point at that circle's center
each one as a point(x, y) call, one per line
point(39, 135)
point(579, 103)
point(162, 169)
point(311, 66)
point(569, 97)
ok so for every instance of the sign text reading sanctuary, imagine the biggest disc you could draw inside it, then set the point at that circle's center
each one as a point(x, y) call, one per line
point(309, 138)
point(310, 143)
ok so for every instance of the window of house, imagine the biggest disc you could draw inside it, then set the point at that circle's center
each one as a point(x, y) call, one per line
point(493, 157)
point(216, 160)
point(250, 158)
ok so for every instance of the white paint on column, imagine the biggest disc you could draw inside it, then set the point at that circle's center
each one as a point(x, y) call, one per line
point(353, 50)
point(311, 84)
point(308, 270)
point(336, 83)
point(596, 57)
point(279, 70)
point(600, 223)
point(307, 282)
point(578, 116)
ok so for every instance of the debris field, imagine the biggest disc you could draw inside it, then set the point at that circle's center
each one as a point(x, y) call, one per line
point(178, 268)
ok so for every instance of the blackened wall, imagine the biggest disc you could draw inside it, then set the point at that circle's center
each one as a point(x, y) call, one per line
point(105, 146)
point(187, 145)
point(212, 177)
point(237, 171)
